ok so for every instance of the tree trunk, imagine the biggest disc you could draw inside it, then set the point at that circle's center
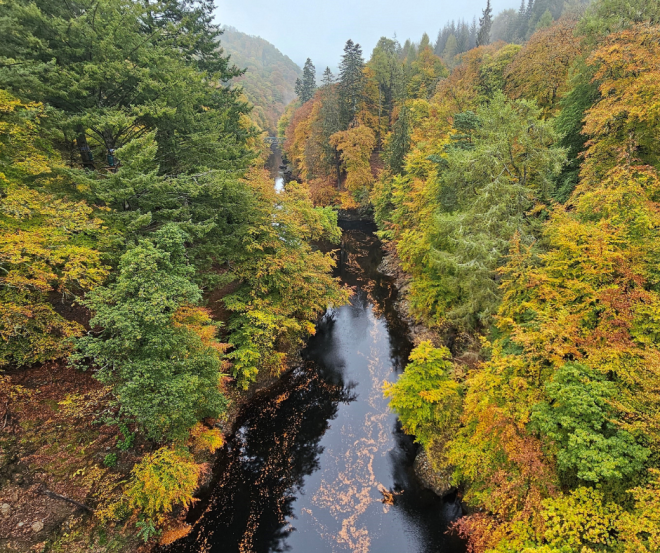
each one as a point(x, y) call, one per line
point(83, 147)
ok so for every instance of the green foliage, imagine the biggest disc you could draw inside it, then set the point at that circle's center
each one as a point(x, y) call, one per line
point(163, 374)
point(425, 397)
point(484, 195)
point(578, 418)
point(146, 530)
point(306, 86)
point(570, 122)
point(129, 438)
point(110, 460)
point(351, 83)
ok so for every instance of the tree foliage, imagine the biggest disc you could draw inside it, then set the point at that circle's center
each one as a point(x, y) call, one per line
point(165, 374)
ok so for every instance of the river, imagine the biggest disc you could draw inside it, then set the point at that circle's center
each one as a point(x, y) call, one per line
point(305, 470)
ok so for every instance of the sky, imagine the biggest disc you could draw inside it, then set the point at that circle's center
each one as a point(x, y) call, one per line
point(318, 29)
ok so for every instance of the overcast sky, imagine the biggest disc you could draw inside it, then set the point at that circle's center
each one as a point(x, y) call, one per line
point(319, 28)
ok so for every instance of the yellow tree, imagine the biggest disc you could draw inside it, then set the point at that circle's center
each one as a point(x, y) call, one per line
point(46, 244)
point(356, 146)
point(540, 70)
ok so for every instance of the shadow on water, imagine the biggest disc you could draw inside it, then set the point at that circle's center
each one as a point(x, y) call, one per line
point(305, 470)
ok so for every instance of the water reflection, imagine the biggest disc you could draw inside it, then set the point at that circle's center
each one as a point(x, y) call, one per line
point(306, 470)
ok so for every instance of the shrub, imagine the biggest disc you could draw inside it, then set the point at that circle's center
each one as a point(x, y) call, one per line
point(161, 480)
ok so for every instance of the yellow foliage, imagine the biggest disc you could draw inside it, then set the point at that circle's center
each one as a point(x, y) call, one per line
point(356, 145)
point(171, 535)
point(161, 480)
point(203, 438)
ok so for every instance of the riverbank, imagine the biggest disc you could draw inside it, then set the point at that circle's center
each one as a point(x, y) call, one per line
point(465, 351)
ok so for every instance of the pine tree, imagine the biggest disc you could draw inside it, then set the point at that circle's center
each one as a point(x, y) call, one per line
point(485, 22)
point(474, 31)
point(328, 78)
point(351, 82)
point(306, 87)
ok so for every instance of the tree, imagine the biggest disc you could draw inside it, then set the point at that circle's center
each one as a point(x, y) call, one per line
point(398, 144)
point(540, 70)
point(426, 399)
point(124, 67)
point(284, 283)
point(150, 345)
point(48, 245)
point(306, 87)
point(426, 71)
point(355, 146)
point(328, 78)
point(485, 193)
point(161, 481)
point(577, 417)
point(351, 83)
point(485, 23)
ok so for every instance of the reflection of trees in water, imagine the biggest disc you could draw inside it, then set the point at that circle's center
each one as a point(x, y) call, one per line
point(361, 255)
point(267, 460)
point(421, 507)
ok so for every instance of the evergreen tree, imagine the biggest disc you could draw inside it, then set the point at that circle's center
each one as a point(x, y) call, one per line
point(351, 83)
point(474, 31)
point(328, 78)
point(306, 87)
point(485, 22)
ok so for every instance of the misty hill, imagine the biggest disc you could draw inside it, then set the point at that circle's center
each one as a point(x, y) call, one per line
point(270, 78)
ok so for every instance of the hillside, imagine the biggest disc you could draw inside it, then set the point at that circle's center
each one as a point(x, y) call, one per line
point(270, 78)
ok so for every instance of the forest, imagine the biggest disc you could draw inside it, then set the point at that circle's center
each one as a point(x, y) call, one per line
point(512, 168)
point(269, 77)
point(150, 274)
point(148, 270)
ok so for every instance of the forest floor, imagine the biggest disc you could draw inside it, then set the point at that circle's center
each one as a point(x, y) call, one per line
point(56, 444)
point(63, 460)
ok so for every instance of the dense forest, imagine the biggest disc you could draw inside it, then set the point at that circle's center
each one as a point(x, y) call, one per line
point(512, 169)
point(148, 269)
point(269, 79)
point(150, 274)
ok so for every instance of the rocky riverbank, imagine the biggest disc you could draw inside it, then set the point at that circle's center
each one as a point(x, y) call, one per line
point(465, 352)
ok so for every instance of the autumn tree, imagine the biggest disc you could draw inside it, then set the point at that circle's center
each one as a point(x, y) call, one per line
point(49, 249)
point(355, 146)
point(540, 70)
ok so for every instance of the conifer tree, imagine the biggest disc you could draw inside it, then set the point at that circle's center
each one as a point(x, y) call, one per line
point(485, 22)
point(328, 78)
point(351, 82)
point(306, 87)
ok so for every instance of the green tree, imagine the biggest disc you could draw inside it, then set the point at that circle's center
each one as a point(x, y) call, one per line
point(485, 193)
point(577, 417)
point(164, 374)
point(351, 83)
point(115, 68)
point(425, 397)
point(306, 86)
point(485, 23)
point(398, 144)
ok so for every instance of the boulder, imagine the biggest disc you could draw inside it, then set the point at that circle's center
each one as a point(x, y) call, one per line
point(439, 482)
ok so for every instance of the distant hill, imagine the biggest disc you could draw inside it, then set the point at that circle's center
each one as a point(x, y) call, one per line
point(270, 78)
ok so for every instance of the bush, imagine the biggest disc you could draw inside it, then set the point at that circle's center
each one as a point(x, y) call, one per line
point(161, 480)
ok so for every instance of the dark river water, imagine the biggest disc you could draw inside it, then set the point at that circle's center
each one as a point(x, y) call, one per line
point(305, 470)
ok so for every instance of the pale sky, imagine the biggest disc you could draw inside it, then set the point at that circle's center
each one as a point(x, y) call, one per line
point(319, 29)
